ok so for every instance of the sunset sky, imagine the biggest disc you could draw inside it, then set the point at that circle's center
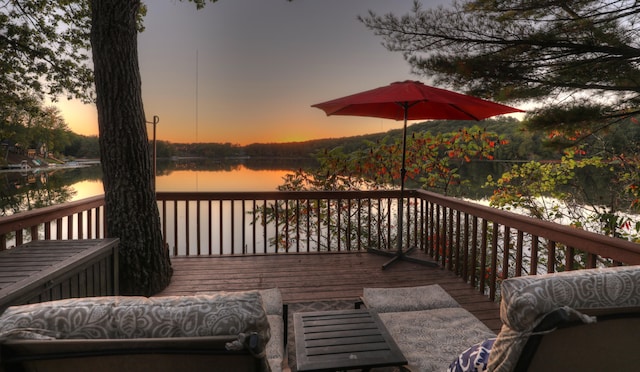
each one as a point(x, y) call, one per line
point(260, 64)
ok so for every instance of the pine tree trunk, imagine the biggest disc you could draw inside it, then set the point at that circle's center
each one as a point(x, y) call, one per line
point(131, 209)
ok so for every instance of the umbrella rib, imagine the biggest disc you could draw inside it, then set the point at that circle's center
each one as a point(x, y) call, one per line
point(465, 112)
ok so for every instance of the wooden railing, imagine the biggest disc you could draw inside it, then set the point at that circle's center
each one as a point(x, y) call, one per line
point(221, 223)
point(485, 245)
point(83, 219)
point(482, 245)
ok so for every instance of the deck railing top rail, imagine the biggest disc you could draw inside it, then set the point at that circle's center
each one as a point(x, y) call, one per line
point(602, 245)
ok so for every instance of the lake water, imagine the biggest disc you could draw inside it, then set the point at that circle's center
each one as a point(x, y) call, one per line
point(238, 179)
point(21, 191)
point(31, 190)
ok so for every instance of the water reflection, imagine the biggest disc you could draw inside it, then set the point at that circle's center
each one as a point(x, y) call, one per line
point(23, 191)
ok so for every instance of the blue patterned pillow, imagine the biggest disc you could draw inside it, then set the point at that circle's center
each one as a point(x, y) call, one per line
point(474, 358)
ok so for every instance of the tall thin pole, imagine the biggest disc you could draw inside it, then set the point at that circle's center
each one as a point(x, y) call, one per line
point(197, 70)
point(403, 172)
point(156, 120)
point(196, 95)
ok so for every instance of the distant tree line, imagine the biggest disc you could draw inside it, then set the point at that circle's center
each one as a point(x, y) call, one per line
point(29, 128)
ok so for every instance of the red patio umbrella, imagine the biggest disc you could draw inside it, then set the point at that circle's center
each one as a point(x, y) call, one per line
point(412, 100)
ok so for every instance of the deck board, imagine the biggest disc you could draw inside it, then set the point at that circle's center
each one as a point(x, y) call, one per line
point(319, 277)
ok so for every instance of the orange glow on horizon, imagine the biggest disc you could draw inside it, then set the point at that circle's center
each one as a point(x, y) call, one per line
point(87, 189)
point(243, 179)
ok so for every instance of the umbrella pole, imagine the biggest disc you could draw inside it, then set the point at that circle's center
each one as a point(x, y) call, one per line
point(400, 254)
point(403, 172)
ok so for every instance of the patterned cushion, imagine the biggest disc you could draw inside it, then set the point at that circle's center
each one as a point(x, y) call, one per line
point(526, 300)
point(229, 313)
point(385, 300)
point(275, 348)
point(474, 359)
point(431, 339)
point(272, 300)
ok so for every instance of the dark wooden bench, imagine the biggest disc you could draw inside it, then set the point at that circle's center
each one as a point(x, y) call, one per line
point(46, 270)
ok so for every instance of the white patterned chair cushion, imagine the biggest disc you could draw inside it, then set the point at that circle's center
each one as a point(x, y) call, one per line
point(427, 297)
point(526, 300)
point(432, 339)
point(225, 313)
point(272, 301)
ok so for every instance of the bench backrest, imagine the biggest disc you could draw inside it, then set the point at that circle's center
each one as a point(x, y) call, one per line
point(563, 343)
point(526, 301)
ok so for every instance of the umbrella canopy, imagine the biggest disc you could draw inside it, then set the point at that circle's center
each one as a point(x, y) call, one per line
point(413, 100)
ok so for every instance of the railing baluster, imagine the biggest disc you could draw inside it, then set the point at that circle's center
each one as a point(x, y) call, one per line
point(465, 247)
point(474, 251)
point(47, 230)
point(494, 261)
point(591, 260)
point(244, 227)
point(438, 226)
point(186, 225)
point(175, 226)
point(164, 226)
point(308, 227)
point(34, 232)
point(264, 227)
point(318, 201)
point(297, 225)
point(198, 229)
point(210, 225)
point(328, 225)
point(80, 226)
point(232, 221)
point(59, 229)
point(569, 259)
point(416, 219)
point(535, 242)
point(379, 224)
point(483, 255)
point(359, 227)
point(221, 227)
point(253, 226)
point(505, 253)
point(458, 237)
point(275, 209)
point(347, 235)
point(450, 240)
point(70, 227)
point(519, 251)
point(551, 256)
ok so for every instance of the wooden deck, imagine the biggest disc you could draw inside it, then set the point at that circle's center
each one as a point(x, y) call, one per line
point(319, 277)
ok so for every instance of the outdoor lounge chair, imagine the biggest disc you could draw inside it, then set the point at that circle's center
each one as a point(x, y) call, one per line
point(226, 331)
point(570, 321)
point(562, 342)
point(574, 320)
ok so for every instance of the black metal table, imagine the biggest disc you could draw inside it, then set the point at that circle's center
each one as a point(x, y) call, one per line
point(343, 339)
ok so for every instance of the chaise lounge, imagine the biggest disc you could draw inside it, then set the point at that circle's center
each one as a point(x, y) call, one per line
point(577, 320)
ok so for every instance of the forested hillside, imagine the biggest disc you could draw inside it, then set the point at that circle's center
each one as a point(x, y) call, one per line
point(522, 143)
